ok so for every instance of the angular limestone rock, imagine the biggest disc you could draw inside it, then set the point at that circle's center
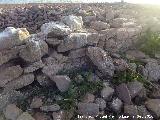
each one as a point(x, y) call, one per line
point(53, 29)
point(62, 82)
point(34, 50)
point(20, 82)
point(12, 112)
point(100, 59)
point(74, 22)
point(9, 73)
point(11, 37)
point(78, 40)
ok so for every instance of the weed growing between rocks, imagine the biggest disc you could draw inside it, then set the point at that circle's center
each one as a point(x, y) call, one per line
point(129, 76)
point(149, 43)
point(79, 86)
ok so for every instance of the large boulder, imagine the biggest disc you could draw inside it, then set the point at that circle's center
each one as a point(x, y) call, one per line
point(34, 50)
point(74, 22)
point(120, 39)
point(9, 73)
point(78, 40)
point(100, 59)
point(11, 37)
point(54, 29)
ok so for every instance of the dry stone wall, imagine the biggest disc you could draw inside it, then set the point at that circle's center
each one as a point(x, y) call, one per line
point(38, 43)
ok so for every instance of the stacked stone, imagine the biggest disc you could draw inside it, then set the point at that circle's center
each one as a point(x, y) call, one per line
point(69, 44)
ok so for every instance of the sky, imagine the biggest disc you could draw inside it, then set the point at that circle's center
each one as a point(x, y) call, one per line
point(86, 1)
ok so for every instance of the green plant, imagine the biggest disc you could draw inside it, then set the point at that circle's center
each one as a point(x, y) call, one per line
point(77, 90)
point(130, 76)
point(149, 43)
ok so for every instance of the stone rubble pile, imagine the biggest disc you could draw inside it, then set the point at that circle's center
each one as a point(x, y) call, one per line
point(89, 38)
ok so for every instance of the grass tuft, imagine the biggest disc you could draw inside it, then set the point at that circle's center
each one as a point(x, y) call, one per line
point(149, 43)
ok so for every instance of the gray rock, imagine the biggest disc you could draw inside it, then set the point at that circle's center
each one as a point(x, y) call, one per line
point(9, 54)
point(135, 55)
point(74, 22)
point(9, 73)
point(62, 82)
point(50, 70)
point(116, 105)
point(100, 59)
point(133, 66)
point(34, 50)
point(91, 109)
point(131, 110)
point(110, 14)
point(88, 98)
point(25, 116)
point(53, 41)
point(153, 105)
point(77, 53)
point(12, 112)
point(120, 64)
point(107, 92)
point(89, 19)
point(50, 108)
point(99, 25)
point(62, 115)
point(118, 22)
point(36, 102)
point(101, 102)
point(2, 117)
point(152, 71)
point(8, 98)
point(143, 113)
point(156, 94)
point(11, 37)
point(53, 29)
point(33, 67)
point(20, 82)
point(43, 80)
point(123, 93)
point(78, 40)
point(121, 39)
point(41, 116)
point(134, 88)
